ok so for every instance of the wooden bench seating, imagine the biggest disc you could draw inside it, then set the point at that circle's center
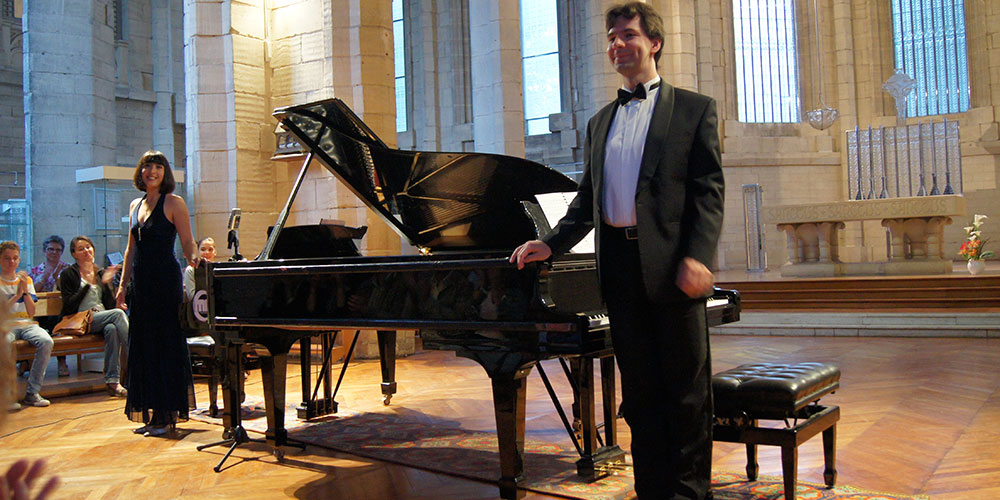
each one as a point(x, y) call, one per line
point(49, 305)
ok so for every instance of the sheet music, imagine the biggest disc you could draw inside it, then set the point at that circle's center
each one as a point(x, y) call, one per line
point(554, 206)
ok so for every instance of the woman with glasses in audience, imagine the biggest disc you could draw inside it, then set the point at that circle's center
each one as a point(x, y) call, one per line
point(46, 277)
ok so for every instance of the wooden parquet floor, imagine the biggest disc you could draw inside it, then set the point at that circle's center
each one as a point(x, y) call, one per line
point(919, 416)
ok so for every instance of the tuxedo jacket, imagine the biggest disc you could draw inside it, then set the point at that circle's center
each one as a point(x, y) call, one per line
point(678, 197)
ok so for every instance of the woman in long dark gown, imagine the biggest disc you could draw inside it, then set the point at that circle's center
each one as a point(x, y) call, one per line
point(160, 390)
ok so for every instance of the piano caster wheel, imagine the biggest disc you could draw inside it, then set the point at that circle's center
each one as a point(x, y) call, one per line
point(386, 398)
point(279, 453)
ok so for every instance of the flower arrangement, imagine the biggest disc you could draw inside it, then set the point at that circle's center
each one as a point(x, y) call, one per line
point(972, 248)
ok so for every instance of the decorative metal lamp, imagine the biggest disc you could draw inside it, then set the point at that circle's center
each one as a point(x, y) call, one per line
point(824, 116)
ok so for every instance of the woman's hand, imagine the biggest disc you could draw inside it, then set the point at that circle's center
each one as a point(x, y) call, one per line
point(109, 274)
point(194, 260)
point(120, 298)
point(16, 483)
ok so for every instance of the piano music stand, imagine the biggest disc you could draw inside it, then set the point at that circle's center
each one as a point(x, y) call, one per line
point(235, 434)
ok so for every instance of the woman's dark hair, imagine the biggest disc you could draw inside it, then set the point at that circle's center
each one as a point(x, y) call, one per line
point(72, 243)
point(54, 239)
point(649, 19)
point(153, 156)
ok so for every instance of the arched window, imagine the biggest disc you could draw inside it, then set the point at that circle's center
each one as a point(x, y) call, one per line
point(540, 64)
point(767, 82)
point(399, 54)
point(929, 41)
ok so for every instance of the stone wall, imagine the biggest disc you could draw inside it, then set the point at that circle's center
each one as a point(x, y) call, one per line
point(78, 98)
point(248, 56)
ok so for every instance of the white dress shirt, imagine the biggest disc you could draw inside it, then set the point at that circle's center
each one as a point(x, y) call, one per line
point(623, 156)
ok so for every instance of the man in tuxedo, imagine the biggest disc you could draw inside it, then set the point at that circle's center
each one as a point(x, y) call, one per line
point(652, 188)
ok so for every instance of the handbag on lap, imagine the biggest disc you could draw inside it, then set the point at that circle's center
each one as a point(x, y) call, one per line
point(75, 324)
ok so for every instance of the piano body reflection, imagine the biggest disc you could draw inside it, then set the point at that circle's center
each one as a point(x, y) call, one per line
point(465, 212)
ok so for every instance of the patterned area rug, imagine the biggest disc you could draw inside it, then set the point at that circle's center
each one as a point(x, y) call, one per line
point(443, 446)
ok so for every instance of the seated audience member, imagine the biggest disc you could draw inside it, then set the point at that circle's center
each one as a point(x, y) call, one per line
point(85, 286)
point(206, 247)
point(19, 291)
point(46, 276)
point(17, 481)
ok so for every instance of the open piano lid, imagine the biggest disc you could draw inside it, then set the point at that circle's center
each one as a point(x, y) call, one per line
point(436, 200)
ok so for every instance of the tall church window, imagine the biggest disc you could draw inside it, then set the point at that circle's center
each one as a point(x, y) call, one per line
point(540, 64)
point(399, 54)
point(120, 17)
point(767, 81)
point(929, 40)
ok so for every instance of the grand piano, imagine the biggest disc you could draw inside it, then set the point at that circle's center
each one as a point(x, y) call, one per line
point(465, 213)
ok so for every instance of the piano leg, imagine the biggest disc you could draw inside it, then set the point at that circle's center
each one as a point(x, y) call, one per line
point(273, 368)
point(509, 390)
point(609, 400)
point(387, 358)
point(593, 458)
point(231, 376)
point(305, 369)
point(583, 409)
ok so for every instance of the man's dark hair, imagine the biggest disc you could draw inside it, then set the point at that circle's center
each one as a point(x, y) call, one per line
point(152, 156)
point(649, 19)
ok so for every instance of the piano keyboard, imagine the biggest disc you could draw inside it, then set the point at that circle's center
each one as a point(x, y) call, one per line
point(600, 320)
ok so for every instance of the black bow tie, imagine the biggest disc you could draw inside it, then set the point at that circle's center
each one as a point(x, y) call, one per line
point(625, 96)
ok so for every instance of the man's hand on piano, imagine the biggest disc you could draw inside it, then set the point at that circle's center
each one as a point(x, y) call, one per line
point(694, 279)
point(530, 251)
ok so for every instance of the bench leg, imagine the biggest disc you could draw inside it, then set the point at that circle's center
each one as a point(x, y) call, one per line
point(752, 467)
point(213, 383)
point(830, 456)
point(789, 468)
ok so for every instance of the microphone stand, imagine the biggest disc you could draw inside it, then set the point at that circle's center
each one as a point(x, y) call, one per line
point(234, 243)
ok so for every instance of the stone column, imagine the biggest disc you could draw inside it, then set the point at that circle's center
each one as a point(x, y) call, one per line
point(69, 109)
point(210, 116)
point(497, 97)
point(364, 78)
point(163, 80)
point(679, 60)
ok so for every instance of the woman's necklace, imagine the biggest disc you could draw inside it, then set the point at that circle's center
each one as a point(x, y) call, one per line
point(150, 206)
point(87, 275)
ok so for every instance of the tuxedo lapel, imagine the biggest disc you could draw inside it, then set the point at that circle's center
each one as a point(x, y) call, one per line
point(602, 126)
point(656, 137)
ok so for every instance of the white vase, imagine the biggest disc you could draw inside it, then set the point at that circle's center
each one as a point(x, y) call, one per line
point(976, 266)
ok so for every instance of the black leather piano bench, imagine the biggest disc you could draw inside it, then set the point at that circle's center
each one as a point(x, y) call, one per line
point(787, 393)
